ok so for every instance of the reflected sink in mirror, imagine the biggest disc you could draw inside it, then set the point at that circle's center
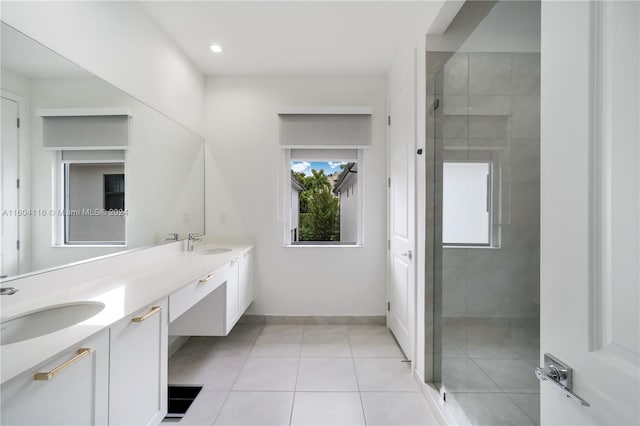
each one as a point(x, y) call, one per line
point(214, 250)
point(46, 320)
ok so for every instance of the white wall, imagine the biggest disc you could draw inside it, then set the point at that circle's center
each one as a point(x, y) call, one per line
point(294, 221)
point(349, 208)
point(244, 182)
point(120, 43)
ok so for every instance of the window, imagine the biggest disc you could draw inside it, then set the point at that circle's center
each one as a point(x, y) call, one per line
point(467, 201)
point(94, 204)
point(91, 198)
point(89, 190)
point(114, 191)
point(324, 206)
point(323, 151)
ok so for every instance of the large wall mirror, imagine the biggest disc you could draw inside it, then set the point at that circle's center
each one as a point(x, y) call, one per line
point(86, 170)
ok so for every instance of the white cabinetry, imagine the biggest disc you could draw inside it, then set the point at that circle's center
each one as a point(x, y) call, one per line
point(74, 392)
point(216, 313)
point(245, 280)
point(232, 305)
point(138, 367)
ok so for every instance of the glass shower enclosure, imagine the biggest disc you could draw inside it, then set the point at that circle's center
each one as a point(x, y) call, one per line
point(484, 122)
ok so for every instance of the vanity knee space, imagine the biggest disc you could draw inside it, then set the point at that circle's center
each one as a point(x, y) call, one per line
point(212, 305)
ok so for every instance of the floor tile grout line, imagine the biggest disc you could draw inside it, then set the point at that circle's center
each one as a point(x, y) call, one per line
point(487, 374)
point(355, 373)
point(494, 381)
point(518, 407)
point(246, 358)
point(295, 385)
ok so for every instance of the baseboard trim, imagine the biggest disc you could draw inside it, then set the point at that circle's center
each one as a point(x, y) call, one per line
point(314, 320)
point(176, 343)
point(431, 394)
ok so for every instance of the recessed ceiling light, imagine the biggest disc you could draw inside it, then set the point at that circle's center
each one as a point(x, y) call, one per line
point(216, 48)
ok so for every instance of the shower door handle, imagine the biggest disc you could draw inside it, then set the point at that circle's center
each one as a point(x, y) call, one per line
point(560, 375)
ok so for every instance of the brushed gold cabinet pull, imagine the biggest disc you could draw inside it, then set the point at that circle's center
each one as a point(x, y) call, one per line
point(154, 310)
point(208, 278)
point(80, 353)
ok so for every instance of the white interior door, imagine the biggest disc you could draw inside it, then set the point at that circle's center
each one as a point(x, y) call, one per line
point(590, 227)
point(9, 260)
point(401, 292)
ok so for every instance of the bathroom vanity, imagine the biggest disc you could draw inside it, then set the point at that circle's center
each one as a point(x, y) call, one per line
point(111, 368)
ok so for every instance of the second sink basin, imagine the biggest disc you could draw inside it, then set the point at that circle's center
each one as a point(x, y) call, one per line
point(46, 320)
point(214, 250)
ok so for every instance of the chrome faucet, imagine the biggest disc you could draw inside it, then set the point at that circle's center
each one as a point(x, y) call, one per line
point(172, 237)
point(192, 239)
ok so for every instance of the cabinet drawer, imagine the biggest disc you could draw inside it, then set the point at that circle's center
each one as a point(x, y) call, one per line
point(181, 300)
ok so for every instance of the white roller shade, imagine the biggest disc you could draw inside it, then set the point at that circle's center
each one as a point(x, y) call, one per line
point(81, 156)
point(325, 130)
point(85, 132)
point(350, 155)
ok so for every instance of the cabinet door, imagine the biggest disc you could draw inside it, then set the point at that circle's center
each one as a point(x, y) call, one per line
point(246, 280)
point(74, 395)
point(138, 367)
point(232, 307)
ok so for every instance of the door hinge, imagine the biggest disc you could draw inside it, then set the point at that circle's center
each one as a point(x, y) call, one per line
point(388, 244)
point(17, 183)
point(388, 306)
point(388, 120)
point(389, 182)
point(17, 244)
point(18, 123)
point(436, 104)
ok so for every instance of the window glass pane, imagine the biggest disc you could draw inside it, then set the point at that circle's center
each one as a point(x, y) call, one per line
point(466, 200)
point(321, 212)
point(94, 203)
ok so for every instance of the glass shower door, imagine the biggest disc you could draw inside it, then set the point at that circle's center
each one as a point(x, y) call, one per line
point(487, 179)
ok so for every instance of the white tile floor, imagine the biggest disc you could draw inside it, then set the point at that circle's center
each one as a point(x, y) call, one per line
point(276, 375)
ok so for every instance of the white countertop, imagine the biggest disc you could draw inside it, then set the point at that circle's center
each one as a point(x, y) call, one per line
point(125, 284)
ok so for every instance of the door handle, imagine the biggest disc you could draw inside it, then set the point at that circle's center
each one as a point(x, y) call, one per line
point(407, 254)
point(560, 375)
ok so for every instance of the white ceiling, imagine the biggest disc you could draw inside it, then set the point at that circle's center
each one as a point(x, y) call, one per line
point(293, 37)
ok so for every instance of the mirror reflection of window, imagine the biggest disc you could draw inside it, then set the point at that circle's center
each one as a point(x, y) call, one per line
point(466, 215)
point(114, 191)
point(94, 203)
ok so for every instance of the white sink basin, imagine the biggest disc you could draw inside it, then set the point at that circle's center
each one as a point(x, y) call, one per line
point(214, 250)
point(46, 320)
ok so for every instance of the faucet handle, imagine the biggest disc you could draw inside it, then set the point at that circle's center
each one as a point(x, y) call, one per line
point(173, 236)
point(195, 236)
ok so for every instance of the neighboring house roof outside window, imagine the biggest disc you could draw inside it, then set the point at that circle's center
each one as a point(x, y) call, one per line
point(349, 169)
point(296, 184)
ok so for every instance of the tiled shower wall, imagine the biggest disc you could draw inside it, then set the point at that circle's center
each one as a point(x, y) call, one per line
point(490, 110)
